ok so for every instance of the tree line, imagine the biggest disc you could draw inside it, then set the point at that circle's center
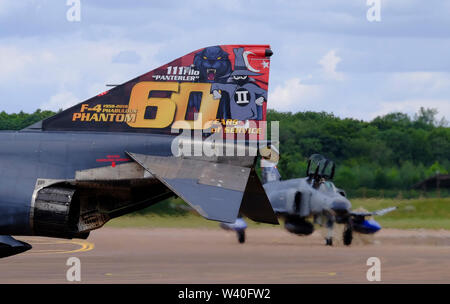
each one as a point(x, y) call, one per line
point(390, 153)
point(18, 121)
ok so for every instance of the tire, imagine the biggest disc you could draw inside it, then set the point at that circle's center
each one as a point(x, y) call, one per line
point(348, 236)
point(241, 236)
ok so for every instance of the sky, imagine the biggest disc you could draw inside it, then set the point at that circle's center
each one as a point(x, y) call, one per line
point(327, 55)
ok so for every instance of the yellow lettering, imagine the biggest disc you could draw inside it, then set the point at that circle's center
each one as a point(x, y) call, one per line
point(84, 106)
point(130, 118)
point(208, 106)
point(76, 116)
point(94, 117)
point(165, 107)
point(85, 116)
point(120, 117)
point(173, 109)
point(97, 108)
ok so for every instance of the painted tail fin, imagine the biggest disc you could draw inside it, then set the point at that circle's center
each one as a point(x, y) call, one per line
point(225, 84)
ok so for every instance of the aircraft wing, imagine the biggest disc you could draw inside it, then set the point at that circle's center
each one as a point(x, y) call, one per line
point(378, 212)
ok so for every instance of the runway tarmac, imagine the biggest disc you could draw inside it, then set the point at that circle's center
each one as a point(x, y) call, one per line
point(270, 255)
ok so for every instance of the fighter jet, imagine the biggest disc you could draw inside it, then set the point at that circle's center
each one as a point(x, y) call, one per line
point(314, 197)
point(123, 150)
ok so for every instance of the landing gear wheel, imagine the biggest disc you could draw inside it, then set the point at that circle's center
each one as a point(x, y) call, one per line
point(241, 236)
point(329, 242)
point(348, 236)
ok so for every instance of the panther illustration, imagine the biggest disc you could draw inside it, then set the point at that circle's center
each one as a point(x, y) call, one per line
point(213, 64)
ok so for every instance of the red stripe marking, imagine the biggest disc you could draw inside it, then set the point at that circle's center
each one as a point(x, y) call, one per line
point(112, 160)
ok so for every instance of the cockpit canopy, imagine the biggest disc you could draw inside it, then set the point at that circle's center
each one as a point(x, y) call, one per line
point(320, 167)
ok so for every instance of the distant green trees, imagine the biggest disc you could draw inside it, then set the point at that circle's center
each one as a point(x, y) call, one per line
point(391, 152)
point(18, 121)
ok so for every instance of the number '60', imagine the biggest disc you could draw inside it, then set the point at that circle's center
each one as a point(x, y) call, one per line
point(172, 109)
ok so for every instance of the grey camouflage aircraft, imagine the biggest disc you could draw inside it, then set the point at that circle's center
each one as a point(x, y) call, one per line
point(314, 196)
point(114, 153)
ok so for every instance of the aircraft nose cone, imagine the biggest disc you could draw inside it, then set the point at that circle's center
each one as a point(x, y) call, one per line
point(367, 226)
point(372, 226)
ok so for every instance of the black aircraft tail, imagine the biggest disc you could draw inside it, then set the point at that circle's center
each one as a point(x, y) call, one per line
point(211, 88)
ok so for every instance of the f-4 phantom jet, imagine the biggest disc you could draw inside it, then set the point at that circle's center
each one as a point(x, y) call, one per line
point(122, 150)
point(312, 197)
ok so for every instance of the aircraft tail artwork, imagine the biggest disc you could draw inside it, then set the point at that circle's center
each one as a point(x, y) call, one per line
point(219, 93)
point(221, 85)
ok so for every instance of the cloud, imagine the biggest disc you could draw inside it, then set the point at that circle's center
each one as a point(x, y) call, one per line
point(420, 82)
point(7, 6)
point(293, 95)
point(32, 76)
point(13, 61)
point(129, 57)
point(61, 100)
point(329, 63)
point(412, 106)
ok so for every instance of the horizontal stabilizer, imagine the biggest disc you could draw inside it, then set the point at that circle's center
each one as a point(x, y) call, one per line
point(214, 190)
point(10, 246)
point(378, 212)
point(255, 204)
